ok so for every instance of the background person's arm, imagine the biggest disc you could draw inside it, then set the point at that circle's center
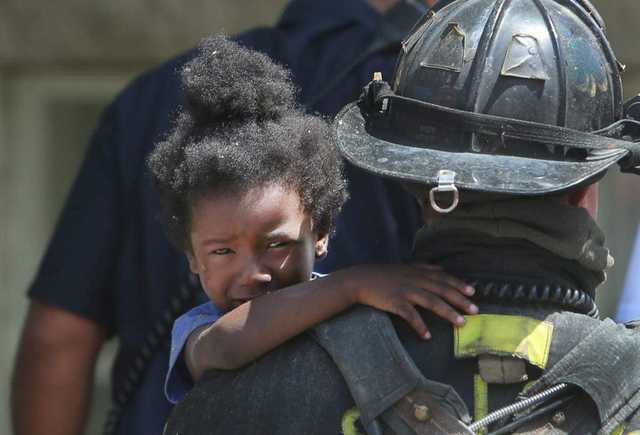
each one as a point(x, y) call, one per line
point(53, 373)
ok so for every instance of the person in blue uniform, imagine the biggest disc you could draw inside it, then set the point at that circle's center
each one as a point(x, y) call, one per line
point(109, 270)
point(629, 306)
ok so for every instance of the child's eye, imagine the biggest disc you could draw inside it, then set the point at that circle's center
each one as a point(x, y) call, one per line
point(221, 251)
point(277, 244)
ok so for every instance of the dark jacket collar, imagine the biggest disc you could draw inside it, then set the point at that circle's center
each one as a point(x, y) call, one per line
point(320, 15)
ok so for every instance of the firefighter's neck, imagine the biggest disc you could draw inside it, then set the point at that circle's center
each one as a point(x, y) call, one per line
point(585, 197)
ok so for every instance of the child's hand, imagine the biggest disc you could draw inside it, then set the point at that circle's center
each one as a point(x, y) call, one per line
point(398, 289)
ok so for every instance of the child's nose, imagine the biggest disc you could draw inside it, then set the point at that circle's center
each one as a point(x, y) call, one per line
point(256, 273)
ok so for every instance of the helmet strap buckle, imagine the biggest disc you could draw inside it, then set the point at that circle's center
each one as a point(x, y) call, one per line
point(446, 184)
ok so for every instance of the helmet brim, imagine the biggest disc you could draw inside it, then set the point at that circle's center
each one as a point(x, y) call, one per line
point(474, 171)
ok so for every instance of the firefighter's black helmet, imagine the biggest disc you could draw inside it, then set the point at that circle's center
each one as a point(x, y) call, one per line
point(520, 97)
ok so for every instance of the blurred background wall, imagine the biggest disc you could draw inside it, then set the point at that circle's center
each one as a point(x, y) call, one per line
point(61, 62)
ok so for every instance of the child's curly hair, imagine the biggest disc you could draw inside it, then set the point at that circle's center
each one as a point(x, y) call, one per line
point(241, 128)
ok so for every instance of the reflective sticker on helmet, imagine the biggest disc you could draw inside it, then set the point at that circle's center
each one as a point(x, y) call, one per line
point(449, 54)
point(524, 59)
point(591, 86)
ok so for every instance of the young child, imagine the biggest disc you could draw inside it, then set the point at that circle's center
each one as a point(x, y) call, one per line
point(252, 187)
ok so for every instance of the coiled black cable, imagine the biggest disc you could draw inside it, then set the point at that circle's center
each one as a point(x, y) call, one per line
point(158, 336)
point(565, 297)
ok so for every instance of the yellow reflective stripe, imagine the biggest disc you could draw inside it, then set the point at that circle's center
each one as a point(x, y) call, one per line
point(619, 430)
point(480, 400)
point(520, 336)
point(349, 422)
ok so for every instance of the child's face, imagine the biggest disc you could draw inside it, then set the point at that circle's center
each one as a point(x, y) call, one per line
point(244, 245)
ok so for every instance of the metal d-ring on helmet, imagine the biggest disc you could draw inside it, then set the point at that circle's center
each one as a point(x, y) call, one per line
point(520, 97)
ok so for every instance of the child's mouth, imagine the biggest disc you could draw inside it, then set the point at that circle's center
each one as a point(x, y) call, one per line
point(236, 302)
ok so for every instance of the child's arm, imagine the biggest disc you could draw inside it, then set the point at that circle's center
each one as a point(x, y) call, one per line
point(257, 326)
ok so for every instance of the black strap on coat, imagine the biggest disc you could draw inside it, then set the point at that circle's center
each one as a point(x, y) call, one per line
point(605, 364)
point(383, 379)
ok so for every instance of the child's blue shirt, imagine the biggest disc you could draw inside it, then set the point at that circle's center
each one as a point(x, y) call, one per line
point(178, 380)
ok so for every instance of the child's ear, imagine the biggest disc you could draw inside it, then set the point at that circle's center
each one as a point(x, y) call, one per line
point(193, 263)
point(322, 245)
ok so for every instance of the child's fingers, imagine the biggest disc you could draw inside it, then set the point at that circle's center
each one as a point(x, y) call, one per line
point(437, 305)
point(452, 296)
point(409, 313)
point(451, 281)
point(449, 293)
point(456, 283)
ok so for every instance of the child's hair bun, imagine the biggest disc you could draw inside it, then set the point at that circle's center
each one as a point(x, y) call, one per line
point(227, 83)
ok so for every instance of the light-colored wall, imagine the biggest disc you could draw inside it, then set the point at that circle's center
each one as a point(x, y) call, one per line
point(73, 56)
point(71, 32)
point(47, 127)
